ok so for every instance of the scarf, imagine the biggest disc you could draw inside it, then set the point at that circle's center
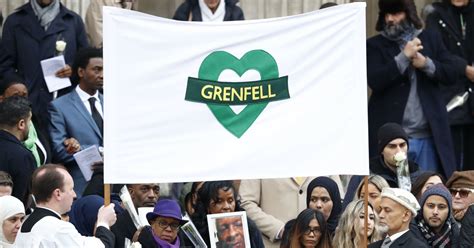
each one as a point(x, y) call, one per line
point(333, 191)
point(9, 206)
point(47, 14)
point(165, 244)
point(403, 33)
point(208, 16)
point(436, 240)
point(30, 143)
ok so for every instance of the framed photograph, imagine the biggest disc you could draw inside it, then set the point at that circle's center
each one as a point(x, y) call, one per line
point(228, 230)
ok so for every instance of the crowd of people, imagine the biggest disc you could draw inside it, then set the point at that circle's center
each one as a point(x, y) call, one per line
point(421, 140)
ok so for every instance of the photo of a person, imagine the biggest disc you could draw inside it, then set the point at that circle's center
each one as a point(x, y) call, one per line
point(228, 230)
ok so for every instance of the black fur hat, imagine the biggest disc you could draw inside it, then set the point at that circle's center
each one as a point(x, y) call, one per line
point(396, 6)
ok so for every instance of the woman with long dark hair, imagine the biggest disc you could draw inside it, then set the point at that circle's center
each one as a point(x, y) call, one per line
point(309, 231)
point(220, 197)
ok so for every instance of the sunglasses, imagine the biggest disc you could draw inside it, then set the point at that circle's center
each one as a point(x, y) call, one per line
point(463, 193)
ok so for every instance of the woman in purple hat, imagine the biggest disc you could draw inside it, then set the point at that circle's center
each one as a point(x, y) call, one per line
point(164, 231)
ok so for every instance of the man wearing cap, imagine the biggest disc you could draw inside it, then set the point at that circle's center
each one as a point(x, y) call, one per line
point(405, 66)
point(399, 207)
point(461, 186)
point(391, 139)
point(164, 230)
point(434, 225)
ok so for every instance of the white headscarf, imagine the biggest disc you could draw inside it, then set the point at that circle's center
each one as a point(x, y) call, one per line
point(9, 206)
point(208, 16)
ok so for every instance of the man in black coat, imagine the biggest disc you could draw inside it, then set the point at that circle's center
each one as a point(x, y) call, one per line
point(434, 224)
point(143, 195)
point(467, 229)
point(454, 20)
point(405, 66)
point(209, 10)
point(15, 159)
point(399, 207)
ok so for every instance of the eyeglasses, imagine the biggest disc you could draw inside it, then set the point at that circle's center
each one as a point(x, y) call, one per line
point(463, 193)
point(163, 224)
point(315, 231)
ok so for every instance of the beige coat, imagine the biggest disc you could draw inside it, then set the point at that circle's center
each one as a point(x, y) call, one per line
point(94, 17)
point(270, 203)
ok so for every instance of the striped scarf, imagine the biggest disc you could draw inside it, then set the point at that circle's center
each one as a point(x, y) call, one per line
point(440, 240)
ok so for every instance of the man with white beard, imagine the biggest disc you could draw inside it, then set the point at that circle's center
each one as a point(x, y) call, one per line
point(399, 207)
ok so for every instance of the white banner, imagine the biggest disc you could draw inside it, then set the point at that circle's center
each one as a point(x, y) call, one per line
point(191, 101)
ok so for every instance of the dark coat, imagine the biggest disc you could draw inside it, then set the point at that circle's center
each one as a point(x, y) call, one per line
point(408, 239)
point(453, 236)
point(25, 43)
point(390, 91)
point(467, 229)
point(444, 20)
point(232, 11)
point(123, 228)
point(378, 167)
point(17, 161)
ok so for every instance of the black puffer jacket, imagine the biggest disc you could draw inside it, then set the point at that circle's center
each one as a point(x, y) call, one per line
point(190, 8)
point(446, 20)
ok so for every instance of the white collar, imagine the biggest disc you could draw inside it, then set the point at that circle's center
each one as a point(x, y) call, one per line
point(397, 235)
point(208, 16)
point(85, 96)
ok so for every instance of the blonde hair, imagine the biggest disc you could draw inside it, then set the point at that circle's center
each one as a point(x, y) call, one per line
point(346, 234)
point(376, 180)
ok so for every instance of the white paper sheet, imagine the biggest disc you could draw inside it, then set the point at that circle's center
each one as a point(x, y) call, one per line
point(86, 158)
point(50, 67)
point(142, 211)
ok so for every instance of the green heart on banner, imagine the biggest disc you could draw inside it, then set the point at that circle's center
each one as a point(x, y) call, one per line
point(218, 61)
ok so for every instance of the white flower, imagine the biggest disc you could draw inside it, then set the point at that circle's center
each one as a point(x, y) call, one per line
point(400, 156)
point(136, 245)
point(60, 46)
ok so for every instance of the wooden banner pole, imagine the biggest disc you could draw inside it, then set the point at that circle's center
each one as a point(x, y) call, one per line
point(366, 210)
point(106, 194)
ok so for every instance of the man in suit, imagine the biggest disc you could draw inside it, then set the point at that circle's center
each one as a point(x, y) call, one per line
point(399, 207)
point(76, 119)
point(405, 66)
point(15, 159)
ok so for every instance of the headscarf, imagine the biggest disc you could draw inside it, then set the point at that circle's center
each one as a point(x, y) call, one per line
point(208, 16)
point(47, 14)
point(333, 191)
point(9, 206)
point(83, 214)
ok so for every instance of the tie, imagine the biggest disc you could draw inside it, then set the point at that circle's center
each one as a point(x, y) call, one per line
point(96, 116)
point(386, 243)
